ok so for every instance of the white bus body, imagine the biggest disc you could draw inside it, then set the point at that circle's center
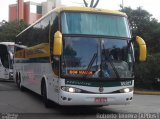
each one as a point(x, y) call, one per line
point(78, 76)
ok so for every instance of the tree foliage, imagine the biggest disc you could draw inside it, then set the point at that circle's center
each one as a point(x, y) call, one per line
point(144, 25)
point(9, 30)
point(147, 73)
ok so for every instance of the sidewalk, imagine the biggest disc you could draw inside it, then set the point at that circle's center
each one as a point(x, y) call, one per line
point(146, 92)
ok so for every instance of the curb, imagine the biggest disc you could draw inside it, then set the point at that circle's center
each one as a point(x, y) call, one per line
point(147, 92)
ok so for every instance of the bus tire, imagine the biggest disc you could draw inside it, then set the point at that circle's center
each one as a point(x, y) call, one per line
point(18, 82)
point(44, 95)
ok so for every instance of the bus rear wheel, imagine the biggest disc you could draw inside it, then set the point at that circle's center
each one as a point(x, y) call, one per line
point(18, 82)
point(44, 96)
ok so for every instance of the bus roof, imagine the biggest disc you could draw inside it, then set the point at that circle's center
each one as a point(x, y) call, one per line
point(90, 9)
point(7, 43)
point(79, 9)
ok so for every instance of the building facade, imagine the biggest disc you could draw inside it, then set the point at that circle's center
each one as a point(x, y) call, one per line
point(31, 11)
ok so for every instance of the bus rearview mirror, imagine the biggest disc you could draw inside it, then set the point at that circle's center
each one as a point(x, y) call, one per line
point(142, 50)
point(57, 44)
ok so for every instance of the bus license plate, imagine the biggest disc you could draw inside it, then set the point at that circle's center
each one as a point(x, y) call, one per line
point(100, 99)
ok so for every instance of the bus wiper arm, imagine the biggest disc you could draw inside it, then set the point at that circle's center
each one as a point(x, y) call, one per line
point(110, 61)
point(91, 63)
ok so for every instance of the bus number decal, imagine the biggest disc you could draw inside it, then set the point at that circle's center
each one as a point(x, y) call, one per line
point(126, 83)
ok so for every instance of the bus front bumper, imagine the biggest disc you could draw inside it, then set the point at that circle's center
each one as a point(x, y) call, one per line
point(66, 98)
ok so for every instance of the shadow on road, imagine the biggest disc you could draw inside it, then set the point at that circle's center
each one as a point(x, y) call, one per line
point(6, 80)
point(39, 111)
point(82, 110)
point(7, 85)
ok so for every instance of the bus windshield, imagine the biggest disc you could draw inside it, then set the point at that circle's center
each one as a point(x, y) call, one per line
point(94, 24)
point(90, 57)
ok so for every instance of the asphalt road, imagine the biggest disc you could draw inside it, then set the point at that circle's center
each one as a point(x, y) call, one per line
point(27, 105)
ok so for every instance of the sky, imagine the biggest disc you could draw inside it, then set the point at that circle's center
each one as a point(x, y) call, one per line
point(152, 6)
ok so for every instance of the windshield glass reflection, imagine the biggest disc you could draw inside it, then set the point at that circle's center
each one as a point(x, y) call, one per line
point(96, 58)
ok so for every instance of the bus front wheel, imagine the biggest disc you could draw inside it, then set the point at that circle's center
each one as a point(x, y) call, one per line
point(44, 95)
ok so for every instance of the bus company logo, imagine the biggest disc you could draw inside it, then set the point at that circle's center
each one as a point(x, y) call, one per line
point(101, 89)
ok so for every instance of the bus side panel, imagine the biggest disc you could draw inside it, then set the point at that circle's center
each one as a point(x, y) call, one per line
point(32, 75)
point(53, 88)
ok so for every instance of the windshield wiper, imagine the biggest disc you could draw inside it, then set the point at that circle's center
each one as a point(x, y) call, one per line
point(110, 61)
point(95, 55)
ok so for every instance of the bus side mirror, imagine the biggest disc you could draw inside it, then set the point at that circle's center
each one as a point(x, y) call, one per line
point(57, 46)
point(142, 50)
point(11, 55)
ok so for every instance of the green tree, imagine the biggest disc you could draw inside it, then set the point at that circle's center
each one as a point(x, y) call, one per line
point(9, 30)
point(147, 73)
point(144, 25)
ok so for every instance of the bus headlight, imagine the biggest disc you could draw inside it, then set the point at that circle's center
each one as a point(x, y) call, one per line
point(126, 90)
point(71, 89)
